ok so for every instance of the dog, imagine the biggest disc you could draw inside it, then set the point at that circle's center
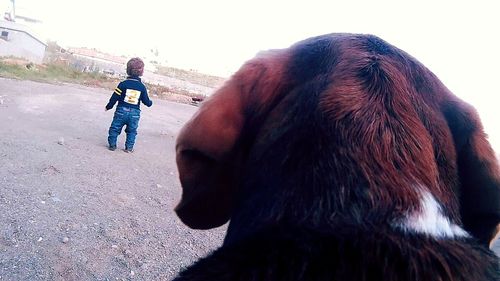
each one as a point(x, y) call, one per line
point(340, 158)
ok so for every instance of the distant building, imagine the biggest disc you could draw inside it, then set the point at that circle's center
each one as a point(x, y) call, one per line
point(17, 36)
point(97, 55)
point(19, 41)
point(94, 60)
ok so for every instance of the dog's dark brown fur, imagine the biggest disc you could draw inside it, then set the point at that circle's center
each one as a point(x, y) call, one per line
point(316, 153)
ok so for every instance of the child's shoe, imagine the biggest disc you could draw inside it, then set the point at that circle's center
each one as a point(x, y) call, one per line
point(112, 147)
point(128, 150)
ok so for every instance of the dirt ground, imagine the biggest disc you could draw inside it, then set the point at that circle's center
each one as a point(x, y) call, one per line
point(72, 210)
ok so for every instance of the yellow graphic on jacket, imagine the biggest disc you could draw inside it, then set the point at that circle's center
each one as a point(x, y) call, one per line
point(132, 96)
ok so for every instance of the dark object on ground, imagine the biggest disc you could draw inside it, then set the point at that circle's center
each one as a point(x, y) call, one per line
point(196, 101)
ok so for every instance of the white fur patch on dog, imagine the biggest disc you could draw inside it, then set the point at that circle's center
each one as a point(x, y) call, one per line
point(430, 220)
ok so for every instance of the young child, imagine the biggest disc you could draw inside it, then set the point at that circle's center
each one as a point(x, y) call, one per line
point(129, 94)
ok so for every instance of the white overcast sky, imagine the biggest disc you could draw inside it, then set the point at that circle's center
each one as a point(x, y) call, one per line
point(457, 40)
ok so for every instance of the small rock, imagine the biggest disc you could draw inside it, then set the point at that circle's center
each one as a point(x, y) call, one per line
point(65, 240)
point(40, 239)
point(1, 101)
point(43, 202)
point(60, 141)
point(171, 173)
point(114, 246)
point(158, 185)
point(132, 273)
point(127, 253)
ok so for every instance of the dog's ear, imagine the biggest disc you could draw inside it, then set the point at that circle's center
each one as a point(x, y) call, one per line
point(208, 145)
point(204, 150)
point(478, 170)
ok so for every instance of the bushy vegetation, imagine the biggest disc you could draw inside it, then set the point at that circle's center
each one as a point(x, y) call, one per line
point(19, 69)
point(55, 72)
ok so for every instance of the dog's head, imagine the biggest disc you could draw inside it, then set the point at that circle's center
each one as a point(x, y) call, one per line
point(336, 126)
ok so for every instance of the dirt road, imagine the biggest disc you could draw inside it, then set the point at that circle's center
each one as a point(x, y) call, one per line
point(72, 210)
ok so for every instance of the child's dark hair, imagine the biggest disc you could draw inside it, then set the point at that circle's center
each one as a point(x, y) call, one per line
point(135, 67)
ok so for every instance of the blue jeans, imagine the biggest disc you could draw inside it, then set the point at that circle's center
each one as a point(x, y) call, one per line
point(124, 116)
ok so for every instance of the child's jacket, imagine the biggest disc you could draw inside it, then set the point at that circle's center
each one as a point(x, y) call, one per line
point(130, 93)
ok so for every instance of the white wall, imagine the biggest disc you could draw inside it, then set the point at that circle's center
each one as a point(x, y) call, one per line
point(20, 44)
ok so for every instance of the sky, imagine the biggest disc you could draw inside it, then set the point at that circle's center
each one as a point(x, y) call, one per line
point(458, 40)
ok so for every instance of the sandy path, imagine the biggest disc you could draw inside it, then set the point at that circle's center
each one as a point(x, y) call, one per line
point(77, 211)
